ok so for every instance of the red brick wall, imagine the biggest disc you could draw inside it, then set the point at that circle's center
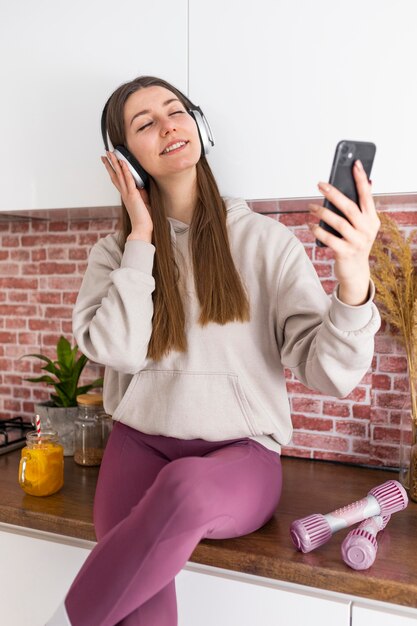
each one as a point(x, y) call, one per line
point(41, 265)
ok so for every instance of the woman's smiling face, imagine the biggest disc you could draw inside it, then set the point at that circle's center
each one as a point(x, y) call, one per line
point(160, 133)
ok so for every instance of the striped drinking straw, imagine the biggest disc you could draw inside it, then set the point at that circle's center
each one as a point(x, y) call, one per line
point(38, 426)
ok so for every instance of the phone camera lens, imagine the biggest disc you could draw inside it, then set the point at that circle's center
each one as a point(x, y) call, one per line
point(344, 148)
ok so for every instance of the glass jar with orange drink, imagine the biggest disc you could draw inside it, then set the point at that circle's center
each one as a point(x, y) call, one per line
point(41, 468)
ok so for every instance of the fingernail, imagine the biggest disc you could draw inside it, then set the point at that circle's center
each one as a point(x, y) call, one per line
point(313, 208)
point(311, 225)
point(359, 165)
point(323, 187)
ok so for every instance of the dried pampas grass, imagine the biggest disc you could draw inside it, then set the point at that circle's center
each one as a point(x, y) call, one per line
point(396, 284)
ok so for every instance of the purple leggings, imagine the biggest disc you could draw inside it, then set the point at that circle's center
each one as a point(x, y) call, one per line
point(156, 498)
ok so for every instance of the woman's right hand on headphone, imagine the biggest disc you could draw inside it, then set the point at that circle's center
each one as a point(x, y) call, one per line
point(135, 200)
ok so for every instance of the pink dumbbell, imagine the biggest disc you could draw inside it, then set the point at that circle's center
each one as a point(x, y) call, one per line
point(314, 530)
point(360, 546)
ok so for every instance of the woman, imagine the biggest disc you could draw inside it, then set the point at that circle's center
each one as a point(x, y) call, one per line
point(195, 308)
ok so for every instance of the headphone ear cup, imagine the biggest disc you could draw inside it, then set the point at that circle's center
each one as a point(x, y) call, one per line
point(204, 130)
point(137, 171)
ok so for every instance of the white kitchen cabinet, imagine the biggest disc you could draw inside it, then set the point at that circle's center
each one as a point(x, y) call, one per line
point(282, 81)
point(227, 599)
point(36, 572)
point(60, 62)
point(369, 616)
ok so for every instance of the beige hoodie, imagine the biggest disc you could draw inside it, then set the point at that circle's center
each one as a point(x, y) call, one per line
point(230, 383)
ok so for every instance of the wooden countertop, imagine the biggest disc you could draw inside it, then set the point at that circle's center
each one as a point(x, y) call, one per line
point(309, 487)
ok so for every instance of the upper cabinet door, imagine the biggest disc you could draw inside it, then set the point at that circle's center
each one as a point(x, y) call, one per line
point(282, 81)
point(60, 62)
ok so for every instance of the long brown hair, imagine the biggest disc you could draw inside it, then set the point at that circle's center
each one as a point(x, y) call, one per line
point(218, 285)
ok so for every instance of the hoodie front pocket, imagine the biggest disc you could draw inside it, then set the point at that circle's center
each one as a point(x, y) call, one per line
point(188, 405)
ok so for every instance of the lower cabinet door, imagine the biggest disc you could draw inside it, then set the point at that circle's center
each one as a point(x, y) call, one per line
point(368, 616)
point(214, 600)
point(35, 575)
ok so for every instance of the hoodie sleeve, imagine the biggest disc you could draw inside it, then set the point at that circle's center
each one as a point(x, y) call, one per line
point(327, 344)
point(112, 317)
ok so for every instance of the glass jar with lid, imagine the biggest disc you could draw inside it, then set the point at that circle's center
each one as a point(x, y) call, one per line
point(91, 429)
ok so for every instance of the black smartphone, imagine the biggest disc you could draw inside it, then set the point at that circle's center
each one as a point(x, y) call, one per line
point(341, 175)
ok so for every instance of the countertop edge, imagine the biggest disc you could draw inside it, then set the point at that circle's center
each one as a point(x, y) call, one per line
point(48, 523)
point(394, 592)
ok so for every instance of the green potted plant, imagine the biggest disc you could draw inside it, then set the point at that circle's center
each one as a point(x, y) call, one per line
point(63, 375)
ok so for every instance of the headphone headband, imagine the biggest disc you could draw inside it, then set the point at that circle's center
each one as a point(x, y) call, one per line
point(104, 125)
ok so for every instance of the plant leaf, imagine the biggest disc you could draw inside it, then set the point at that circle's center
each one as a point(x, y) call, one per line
point(42, 379)
point(38, 356)
point(51, 367)
point(63, 395)
point(97, 383)
point(92, 385)
point(80, 365)
point(64, 354)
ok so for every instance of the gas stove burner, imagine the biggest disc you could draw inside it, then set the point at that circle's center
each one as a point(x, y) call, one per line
point(13, 433)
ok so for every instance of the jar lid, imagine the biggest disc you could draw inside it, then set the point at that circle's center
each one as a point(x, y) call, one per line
point(95, 399)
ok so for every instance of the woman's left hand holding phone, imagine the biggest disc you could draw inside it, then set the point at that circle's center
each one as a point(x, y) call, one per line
point(135, 200)
point(351, 252)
